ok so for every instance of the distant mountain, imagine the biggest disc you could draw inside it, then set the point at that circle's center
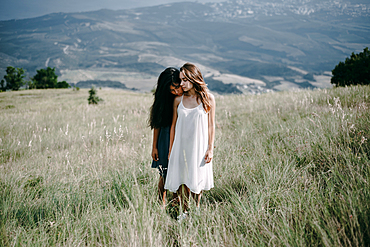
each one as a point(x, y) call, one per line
point(240, 46)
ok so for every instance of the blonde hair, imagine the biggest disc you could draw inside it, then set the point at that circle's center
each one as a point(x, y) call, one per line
point(193, 74)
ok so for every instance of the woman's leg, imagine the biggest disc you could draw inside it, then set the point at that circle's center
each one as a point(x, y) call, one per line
point(161, 191)
point(184, 193)
point(196, 198)
point(174, 199)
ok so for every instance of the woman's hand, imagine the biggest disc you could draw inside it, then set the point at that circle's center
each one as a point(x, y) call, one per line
point(209, 156)
point(211, 129)
point(155, 154)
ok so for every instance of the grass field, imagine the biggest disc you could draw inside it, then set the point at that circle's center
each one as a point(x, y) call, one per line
point(290, 169)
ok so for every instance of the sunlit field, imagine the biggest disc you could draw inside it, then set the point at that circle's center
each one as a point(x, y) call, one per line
point(290, 169)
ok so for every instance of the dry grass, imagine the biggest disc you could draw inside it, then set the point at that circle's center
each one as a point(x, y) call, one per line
point(291, 169)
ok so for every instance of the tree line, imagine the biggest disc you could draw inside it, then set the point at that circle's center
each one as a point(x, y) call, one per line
point(44, 78)
point(355, 70)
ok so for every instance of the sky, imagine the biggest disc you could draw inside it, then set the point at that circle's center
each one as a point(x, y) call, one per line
point(21, 9)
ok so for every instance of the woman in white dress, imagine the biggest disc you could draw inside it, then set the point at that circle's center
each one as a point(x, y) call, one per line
point(192, 137)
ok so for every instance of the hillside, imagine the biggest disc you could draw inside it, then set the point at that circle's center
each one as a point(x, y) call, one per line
point(253, 46)
point(290, 168)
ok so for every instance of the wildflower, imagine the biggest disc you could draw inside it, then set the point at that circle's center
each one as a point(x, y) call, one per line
point(363, 139)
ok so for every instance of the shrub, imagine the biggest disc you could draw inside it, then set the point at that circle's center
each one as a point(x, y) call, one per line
point(93, 98)
point(63, 84)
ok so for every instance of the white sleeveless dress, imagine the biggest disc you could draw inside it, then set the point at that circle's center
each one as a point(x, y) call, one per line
point(186, 164)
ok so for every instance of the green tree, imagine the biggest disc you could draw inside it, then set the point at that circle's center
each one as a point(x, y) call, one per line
point(63, 84)
point(30, 85)
point(2, 86)
point(93, 98)
point(45, 78)
point(355, 70)
point(14, 78)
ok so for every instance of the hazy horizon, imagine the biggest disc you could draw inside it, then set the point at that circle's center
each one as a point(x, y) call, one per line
point(24, 9)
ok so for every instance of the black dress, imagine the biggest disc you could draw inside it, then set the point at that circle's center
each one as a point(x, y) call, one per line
point(163, 145)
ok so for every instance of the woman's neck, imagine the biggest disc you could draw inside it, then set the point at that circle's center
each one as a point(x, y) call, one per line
point(190, 93)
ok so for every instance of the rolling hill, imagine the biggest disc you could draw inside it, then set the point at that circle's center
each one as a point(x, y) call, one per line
point(241, 46)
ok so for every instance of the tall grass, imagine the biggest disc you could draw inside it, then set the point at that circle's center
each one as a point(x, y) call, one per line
point(291, 169)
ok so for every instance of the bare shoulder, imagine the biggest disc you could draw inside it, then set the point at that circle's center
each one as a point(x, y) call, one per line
point(211, 98)
point(177, 101)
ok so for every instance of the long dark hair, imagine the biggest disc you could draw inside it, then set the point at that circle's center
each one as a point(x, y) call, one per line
point(192, 73)
point(161, 110)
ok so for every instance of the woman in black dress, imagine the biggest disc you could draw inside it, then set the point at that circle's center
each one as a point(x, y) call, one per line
point(168, 87)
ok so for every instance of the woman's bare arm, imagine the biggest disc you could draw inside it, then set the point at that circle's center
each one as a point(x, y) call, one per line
point(211, 129)
point(154, 147)
point(176, 103)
